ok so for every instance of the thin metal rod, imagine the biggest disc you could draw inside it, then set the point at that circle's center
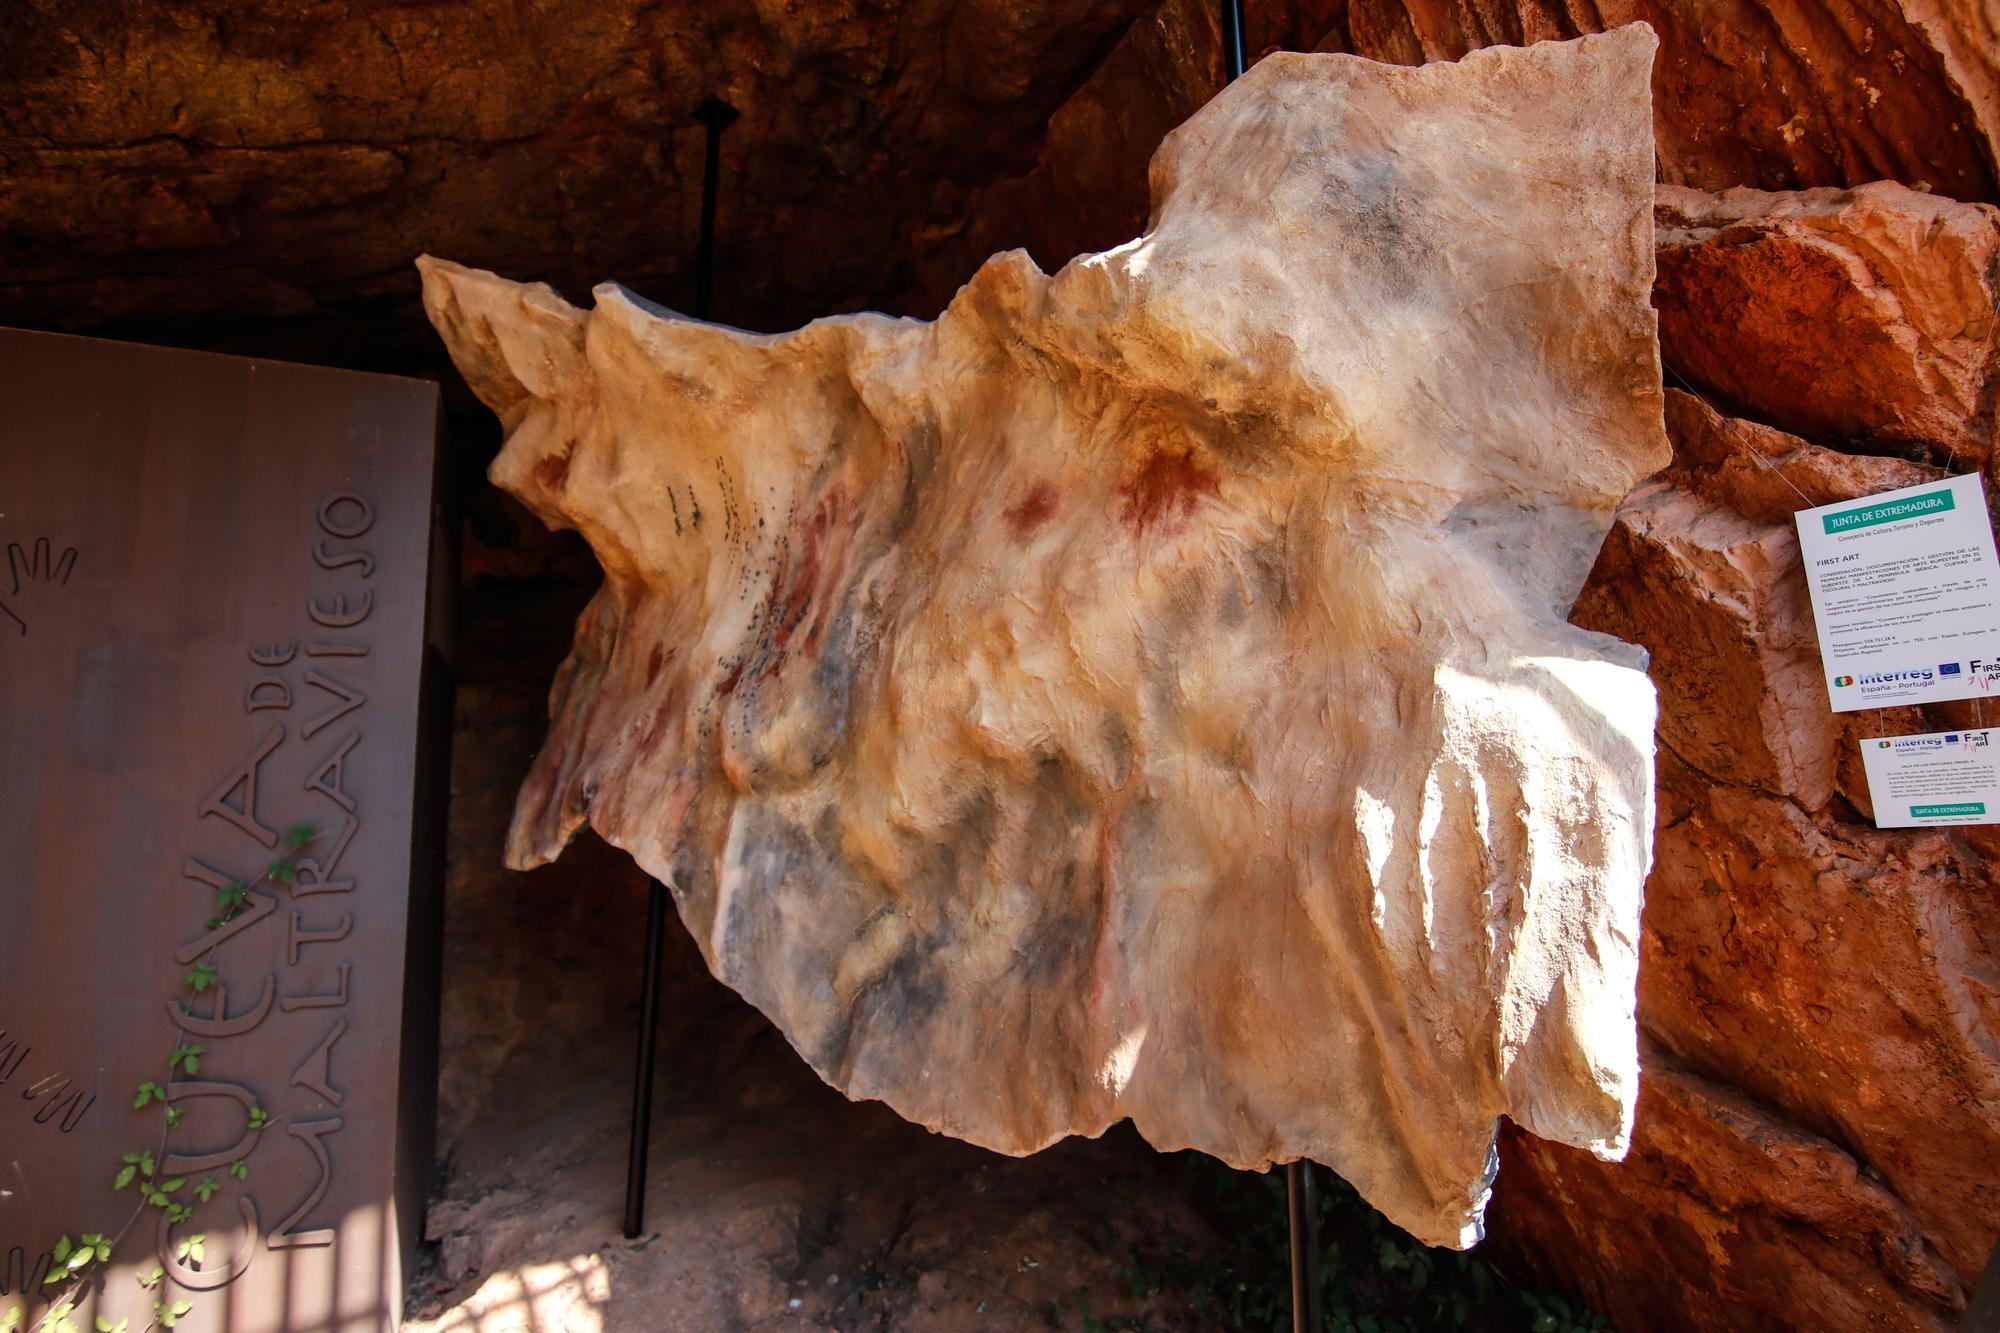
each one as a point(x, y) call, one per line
point(642, 1073)
point(1302, 1196)
point(1301, 1193)
point(1232, 40)
point(718, 115)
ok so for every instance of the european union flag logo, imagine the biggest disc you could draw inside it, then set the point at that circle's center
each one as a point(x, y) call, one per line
point(1951, 739)
point(1948, 669)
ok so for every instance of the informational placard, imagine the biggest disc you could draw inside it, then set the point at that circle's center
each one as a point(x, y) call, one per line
point(1906, 593)
point(1944, 777)
point(223, 712)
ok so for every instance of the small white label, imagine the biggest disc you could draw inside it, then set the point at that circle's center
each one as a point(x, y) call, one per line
point(1906, 594)
point(1945, 777)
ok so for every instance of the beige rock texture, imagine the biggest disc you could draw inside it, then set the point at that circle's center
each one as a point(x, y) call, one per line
point(1144, 692)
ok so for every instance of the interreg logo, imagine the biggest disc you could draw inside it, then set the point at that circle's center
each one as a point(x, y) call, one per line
point(1914, 676)
point(1867, 516)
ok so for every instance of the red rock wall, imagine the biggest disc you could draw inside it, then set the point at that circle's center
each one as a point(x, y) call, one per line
point(1820, 1143)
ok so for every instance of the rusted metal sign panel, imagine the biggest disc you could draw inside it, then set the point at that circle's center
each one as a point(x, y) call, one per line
point(219, 702)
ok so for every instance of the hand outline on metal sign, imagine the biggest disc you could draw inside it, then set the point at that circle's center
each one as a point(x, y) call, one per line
point(26, 571)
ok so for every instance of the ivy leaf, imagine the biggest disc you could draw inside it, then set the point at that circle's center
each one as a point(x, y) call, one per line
point(62, 1249)
point(240, 1169)
point(202, 977)
point(206, 1189)
point(259, 1117)
point(298, 835)
point(173, 1116)
point(125, 1175)
point(10, 1319)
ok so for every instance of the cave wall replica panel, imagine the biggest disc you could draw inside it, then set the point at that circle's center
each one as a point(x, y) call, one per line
point(1144, 691)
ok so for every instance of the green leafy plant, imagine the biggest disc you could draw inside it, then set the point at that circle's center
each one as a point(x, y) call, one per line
point(79, 1262)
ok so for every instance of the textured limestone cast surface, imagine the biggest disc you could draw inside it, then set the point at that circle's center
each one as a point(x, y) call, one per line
point(1145, 691)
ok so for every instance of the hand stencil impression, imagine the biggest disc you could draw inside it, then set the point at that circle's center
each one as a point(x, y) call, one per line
point(29, 573)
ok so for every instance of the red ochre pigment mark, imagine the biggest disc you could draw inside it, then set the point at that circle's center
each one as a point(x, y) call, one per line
point(823, 529)
point(654, 661)
point(1170, 485)
point(662, 719)
point(553, 471)
point(794, 595)
point(729, 682)
point(1031, 510)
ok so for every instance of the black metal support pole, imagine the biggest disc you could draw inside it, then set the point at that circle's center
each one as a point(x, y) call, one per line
point(1233, 59)
point(642, 1074)
point(1302, 1198)
point(718, 116)
point(1301, 1193)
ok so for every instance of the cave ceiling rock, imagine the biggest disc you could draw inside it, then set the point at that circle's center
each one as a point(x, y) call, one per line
point(1145, 691)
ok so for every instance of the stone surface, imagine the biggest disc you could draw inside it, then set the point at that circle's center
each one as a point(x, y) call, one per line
point(1145, 692)
point(171, 160)
point(1820, 1122)
point(1868, 318)
point(1702, 569)
point(1723, 1217)
point(196, 172)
